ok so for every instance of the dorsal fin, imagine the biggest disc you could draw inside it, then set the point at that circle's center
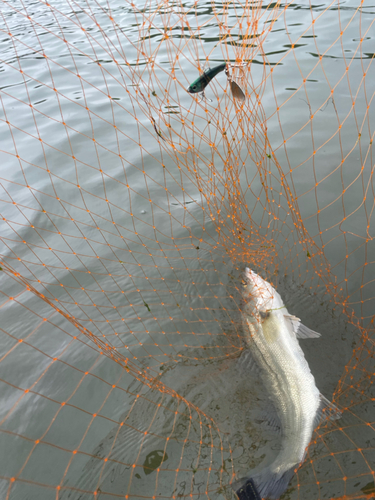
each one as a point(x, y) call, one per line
point(301, 331)
point(326, 411)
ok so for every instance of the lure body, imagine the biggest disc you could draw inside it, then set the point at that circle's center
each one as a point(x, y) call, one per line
point(201, 83)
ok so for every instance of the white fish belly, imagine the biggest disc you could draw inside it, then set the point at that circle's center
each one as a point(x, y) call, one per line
point(290, 384)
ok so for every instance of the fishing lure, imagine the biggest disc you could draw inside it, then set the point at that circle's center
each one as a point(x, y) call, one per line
point(236, 90)
point(201, 83)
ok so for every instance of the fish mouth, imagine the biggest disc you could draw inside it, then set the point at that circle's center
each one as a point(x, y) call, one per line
point(249, 275)
point(255, 279)
point(248, 271)
point(259, 289)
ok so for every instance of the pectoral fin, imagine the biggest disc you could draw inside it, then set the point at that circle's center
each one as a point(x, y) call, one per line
point(301, 331)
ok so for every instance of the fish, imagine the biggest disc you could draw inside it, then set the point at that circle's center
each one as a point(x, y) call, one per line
point(271, 335)
point(201, 83)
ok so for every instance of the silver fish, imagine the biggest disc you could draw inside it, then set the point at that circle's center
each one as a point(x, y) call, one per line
point(272, 334)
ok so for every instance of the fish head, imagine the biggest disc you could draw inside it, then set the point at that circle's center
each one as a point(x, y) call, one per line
point(258, 294)
point(195, 87)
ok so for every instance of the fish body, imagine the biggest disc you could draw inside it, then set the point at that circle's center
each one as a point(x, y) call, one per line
point(201, 83)
point(271, 334)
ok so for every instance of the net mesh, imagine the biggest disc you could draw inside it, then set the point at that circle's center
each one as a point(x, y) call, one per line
point(129, 210)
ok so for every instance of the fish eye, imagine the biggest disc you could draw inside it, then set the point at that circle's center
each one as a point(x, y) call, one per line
point(264, 314)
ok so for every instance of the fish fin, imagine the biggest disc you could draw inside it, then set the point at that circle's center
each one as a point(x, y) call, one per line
point(326, 411)
point(248, 491)
point(246, 364)
point(265, 484)
point(270, 420)
point(301, 331)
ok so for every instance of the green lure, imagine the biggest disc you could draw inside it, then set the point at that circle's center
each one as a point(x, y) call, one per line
point(201, 83)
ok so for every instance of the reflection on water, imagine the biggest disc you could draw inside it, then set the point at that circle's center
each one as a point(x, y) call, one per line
point(100, 220)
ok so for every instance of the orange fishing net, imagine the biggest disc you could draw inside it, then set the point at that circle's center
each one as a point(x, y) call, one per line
point(129, 210)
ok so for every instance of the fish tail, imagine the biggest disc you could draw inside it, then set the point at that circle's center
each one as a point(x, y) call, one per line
point(248, 491)
point(266, 484)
